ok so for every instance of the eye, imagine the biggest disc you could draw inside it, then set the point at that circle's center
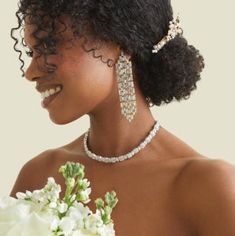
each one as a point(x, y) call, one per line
point(29, 53)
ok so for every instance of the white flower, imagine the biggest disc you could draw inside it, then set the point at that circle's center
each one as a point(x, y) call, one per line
point(67, 225)
point(85, 195)
point(7, 202)
point(11, 209)
point(78, 211)
point(63, 207)
point(38, 196)
point(20, 195)
point(81, 232)
point(33, 224)
point(106, 230)
point(55, 223)
point(43, 213)
point(53, 205)
point(85, 183)
point(17, 217)
point(93, 222)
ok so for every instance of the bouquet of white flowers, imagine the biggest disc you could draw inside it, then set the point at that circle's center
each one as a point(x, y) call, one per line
point(43, 213)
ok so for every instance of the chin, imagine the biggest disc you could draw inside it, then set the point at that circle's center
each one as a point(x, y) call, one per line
point(60, 120)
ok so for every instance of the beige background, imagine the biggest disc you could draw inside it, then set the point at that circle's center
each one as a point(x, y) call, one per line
point(205, 121)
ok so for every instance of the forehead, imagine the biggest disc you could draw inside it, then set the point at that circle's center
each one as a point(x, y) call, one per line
point(30, 30)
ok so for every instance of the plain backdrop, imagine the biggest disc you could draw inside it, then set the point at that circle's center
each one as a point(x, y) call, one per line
point(205, 121)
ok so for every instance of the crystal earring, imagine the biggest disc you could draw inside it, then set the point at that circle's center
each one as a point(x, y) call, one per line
point(126, 87)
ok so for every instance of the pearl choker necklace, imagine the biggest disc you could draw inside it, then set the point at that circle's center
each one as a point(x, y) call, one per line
point(130, 154)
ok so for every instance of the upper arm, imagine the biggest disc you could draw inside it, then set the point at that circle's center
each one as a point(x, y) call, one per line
point(29, 176)
point(210, 198)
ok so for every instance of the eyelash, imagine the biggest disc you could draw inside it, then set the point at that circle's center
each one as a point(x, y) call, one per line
point(29, 53)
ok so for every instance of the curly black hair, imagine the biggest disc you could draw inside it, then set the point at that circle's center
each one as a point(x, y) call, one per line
point(134, 25)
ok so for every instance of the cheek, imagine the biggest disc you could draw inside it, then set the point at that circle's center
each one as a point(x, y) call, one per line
point(87, 82)
point(85, 86)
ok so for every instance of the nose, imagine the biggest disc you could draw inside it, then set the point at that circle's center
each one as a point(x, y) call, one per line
point(35, 70)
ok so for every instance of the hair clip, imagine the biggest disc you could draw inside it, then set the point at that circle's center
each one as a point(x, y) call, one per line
point(174, 29)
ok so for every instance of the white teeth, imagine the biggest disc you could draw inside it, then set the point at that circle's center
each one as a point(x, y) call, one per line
point(58, 89)
point(51, 91)
point(47, 93)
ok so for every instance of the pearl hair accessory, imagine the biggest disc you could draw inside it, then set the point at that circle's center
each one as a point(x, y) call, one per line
point(130, 154)
point(174, 29)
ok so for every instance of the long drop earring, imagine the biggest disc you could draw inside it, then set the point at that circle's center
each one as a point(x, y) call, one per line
point(126, 87)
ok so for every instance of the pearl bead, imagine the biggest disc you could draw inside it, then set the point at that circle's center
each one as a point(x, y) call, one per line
point(174, 29)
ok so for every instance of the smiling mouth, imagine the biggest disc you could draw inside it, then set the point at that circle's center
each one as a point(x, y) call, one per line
point(49, 95)
point(50, 92)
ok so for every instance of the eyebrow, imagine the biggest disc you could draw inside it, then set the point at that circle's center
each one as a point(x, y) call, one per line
point(27, 42)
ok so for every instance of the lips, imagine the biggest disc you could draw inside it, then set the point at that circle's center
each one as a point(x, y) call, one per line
point(46, 101)
point(43, 87)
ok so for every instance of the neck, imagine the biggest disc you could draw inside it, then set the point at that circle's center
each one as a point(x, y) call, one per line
point(111, 134)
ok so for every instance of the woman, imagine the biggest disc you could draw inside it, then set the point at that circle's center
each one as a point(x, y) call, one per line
point(86, 56)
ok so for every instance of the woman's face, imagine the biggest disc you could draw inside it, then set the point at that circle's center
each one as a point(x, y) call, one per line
point(86, 82)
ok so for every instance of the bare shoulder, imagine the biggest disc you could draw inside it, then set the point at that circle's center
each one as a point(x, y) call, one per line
point(198, 169)
point(32, 171)
point(207, 196)
point(208, 173)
